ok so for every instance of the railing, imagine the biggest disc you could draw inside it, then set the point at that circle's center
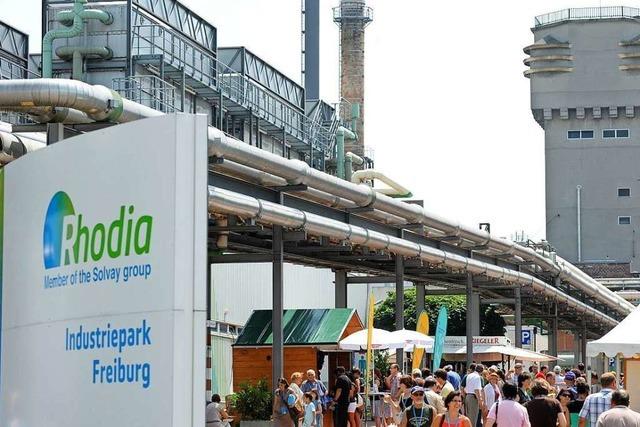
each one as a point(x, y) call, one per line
point(177, 50)
point(147, 90)
point(353, 10)
point(11, 70)
point(199, 65)
point(587, 13)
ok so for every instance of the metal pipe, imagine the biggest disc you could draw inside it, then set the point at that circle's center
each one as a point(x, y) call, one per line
point(226, 202)
point(102, 104)
point(341, 134)
point(14, 146)
point(97, 102)
point(52, 114)
point(265, 179)
point(78, 53)
point(349, 160)
point(297, 172)
point(66, 17)
point(578, 220)
point(67, 33)
point(395, 189)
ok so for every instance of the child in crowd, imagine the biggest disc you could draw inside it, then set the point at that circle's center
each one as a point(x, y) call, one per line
point(309, 411)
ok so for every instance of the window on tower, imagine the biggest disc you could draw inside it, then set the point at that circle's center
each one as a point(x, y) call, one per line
point(580, 134)
point(615, 133)
point(624, 220)
point(624, 192)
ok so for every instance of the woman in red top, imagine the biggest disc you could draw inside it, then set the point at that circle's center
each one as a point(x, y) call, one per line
point(452, 417)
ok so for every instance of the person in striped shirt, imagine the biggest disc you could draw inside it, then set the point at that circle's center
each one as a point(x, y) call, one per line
point(596, 403)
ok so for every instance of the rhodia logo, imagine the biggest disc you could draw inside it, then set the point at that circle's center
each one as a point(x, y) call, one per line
point(69, 239)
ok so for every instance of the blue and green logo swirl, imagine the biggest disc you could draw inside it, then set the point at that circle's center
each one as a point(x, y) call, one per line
point(60, 206)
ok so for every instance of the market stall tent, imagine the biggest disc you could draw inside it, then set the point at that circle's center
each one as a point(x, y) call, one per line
point(623, 339)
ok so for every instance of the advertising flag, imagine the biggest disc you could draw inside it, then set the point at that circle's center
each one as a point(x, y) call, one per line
point(423, 327)
point(441, 333)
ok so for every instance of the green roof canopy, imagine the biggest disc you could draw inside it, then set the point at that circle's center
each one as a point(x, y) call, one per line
point(301, 327)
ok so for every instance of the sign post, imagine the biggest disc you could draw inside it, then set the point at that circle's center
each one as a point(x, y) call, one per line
point(103, 278)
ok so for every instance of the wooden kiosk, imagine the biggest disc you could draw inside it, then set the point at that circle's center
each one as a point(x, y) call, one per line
point(309, 335)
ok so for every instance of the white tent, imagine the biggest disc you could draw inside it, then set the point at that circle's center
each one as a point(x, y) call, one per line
point(381, 339)
point(624, 339)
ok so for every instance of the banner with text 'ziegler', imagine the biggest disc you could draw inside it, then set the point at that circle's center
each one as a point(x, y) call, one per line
point(103, 267)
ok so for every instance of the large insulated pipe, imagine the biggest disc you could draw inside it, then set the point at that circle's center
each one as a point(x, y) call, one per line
point(395, 189)
point(298, 172)
point(351, 159)
point(14, 146)
point(98, 102)
point(226, 202)
point(265, 179)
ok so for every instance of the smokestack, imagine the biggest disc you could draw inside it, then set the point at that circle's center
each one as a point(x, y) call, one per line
point(353, 16)
point(311, 49)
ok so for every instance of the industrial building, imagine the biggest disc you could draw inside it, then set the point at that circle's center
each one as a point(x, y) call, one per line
point(284, 183)
point(583, 69)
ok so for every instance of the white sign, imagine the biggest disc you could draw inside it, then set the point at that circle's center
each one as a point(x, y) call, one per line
point(103, 279)
point(452, 341)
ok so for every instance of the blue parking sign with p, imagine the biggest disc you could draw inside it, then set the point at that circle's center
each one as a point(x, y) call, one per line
point(526, 337)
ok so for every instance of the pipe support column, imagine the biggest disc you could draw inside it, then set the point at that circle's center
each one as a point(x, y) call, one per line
point(420, 295)
point(399, 304)
point(518, 317)
point(553, 335)
point(469, 323)
point(341, 288)
point(583, 343)
point(277, 356)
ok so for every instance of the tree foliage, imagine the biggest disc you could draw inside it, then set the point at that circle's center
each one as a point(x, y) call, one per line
point(491, 323)
point(254, 402)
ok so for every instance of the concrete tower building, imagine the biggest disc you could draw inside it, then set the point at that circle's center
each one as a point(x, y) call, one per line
point(353, 16)
point(584, 67)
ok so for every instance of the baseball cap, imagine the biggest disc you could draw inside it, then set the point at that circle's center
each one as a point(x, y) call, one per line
point(557, 369)
point(416, 371)
point(417, 389)
point(518, 365)
point(570, 376)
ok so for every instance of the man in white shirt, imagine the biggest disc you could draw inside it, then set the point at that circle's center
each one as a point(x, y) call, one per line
point(619, 415)
point(473, 400)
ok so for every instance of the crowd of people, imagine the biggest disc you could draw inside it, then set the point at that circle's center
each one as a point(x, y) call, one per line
point(482, 397)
